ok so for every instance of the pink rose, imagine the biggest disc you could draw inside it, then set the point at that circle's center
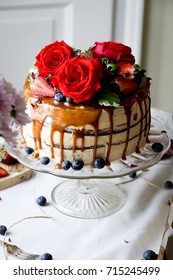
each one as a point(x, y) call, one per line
point(113, 51)
point(51, 57)
point(78, 78)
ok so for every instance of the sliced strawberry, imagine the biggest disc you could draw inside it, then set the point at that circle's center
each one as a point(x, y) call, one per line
point(125, 70)
point(3, 172)
point(8, 159)
point(126, 86)
point(41, 88)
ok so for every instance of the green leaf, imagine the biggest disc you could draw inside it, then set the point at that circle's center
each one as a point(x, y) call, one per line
point(112, 67)
point(109, 98)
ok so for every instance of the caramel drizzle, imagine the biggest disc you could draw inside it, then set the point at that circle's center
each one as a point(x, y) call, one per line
point(128, 117)
point(141, 126)
point(63, 116)
point(110, 112)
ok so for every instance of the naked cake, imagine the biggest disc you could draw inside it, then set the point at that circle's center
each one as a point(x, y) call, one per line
point(86, 107)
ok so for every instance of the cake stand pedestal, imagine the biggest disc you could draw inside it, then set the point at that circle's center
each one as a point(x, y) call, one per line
point(88, 198)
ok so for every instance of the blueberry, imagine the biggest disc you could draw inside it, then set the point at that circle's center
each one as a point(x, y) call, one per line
point(99, 163)
point(66, 164)
point(46, 256)
point(149, 255)
point(29, 150)
point(69, 100)
point(77, 164)
point(41, 200)
point(45, 160)
point(168, 184)
point(3, 229)
point(157, 147)
point(59, 97)
point(132, 175)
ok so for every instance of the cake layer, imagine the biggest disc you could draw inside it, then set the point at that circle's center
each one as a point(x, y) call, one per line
point(65, 132)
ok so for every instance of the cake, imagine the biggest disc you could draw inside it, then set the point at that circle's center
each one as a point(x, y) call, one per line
point(86, 107)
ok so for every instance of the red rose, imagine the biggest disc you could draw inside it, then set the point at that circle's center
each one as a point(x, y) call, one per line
point(78, 78)
point(114, 51)
point(51, 57)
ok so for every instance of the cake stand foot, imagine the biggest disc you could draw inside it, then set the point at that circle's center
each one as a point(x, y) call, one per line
point(87, 198)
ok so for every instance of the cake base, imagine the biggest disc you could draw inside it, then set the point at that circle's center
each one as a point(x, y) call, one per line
point(88, 198)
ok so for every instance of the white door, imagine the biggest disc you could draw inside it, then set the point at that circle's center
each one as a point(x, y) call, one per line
point(28, 25)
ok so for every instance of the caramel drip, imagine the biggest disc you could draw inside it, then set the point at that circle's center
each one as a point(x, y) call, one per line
point(95, 125)
point(78, 134)
point(149, 121)
point(37, 128)
point(110, 112)
point(145, 104)
point(141, 127)
point(128, 117)
point(23, 141)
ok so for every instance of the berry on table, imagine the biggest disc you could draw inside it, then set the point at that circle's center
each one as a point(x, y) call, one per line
point(99, 163)
point(46, 256)
point(77, 164)
point(66, 164)
point(157, 147)
point(3, 229)
point(149, 255)
point(41, 200)
point(45, 160)
point(132, 175)
point(29, 150)
point(168, 184)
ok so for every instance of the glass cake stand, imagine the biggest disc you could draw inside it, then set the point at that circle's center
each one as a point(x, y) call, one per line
point(88, 193)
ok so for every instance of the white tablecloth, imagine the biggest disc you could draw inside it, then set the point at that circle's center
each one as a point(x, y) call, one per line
point(139, 225)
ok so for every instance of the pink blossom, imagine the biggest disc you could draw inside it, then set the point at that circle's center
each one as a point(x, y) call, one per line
point(12, 111)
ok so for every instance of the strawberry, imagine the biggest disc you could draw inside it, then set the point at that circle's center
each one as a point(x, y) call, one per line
point(3, 172)
point(126, 86)
point(8, 159)
point(125, 70)
point(41, 88)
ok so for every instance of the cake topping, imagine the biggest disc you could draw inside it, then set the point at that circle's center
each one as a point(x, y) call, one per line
point(104, 74)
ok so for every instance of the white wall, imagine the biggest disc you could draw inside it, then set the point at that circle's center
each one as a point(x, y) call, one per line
point(157, 51)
